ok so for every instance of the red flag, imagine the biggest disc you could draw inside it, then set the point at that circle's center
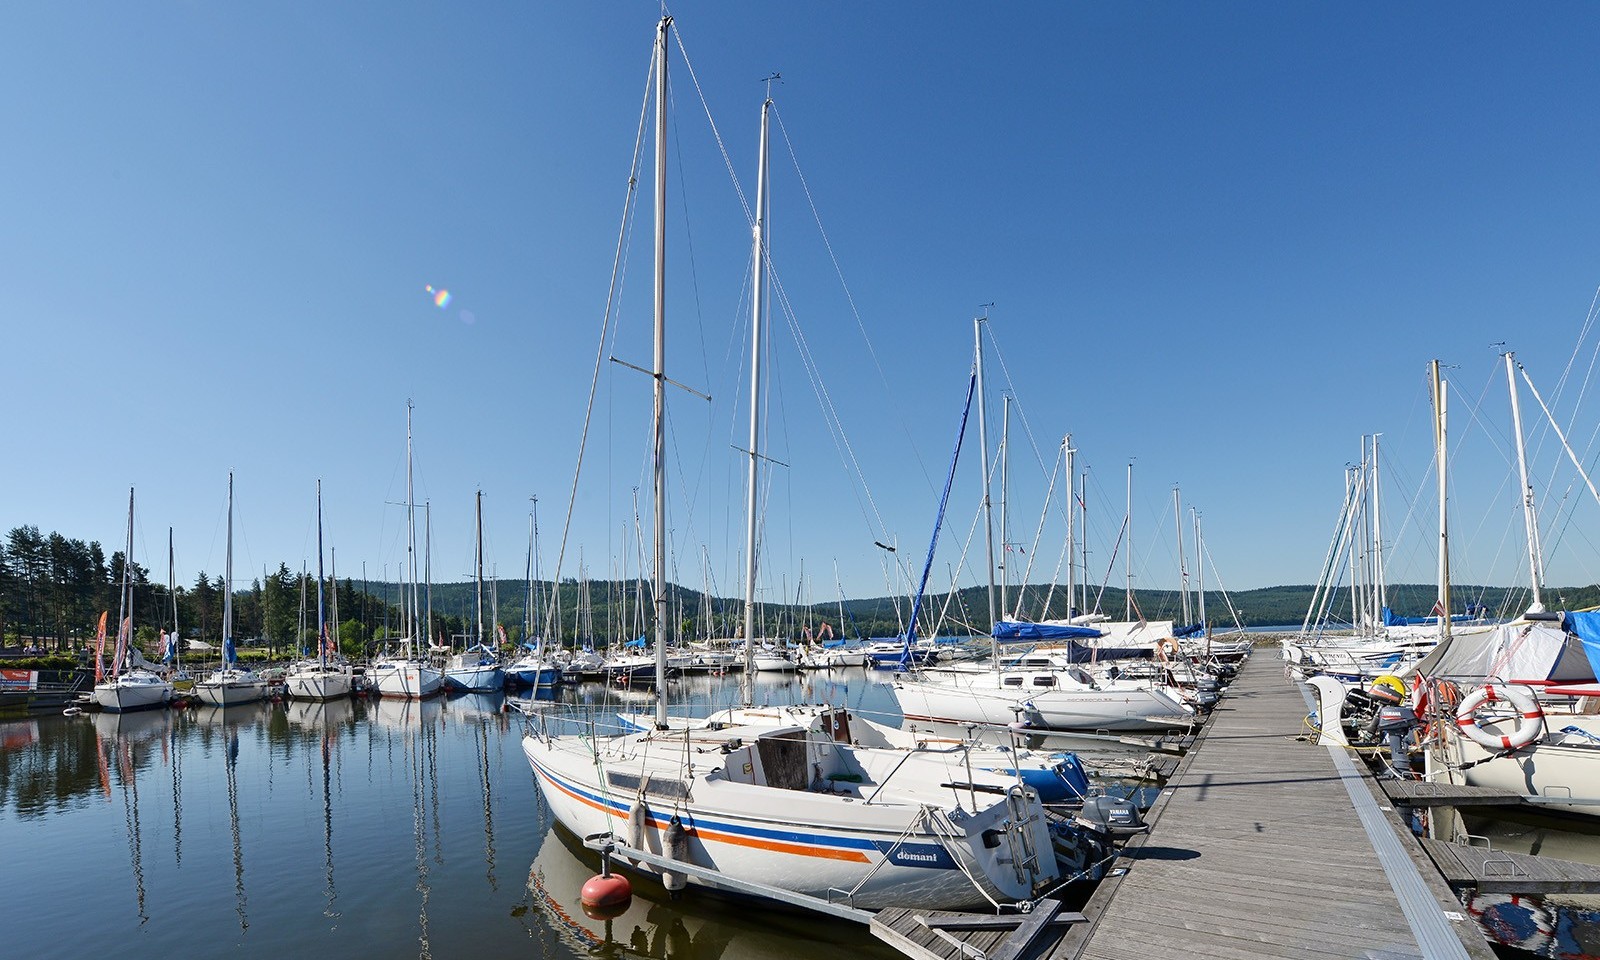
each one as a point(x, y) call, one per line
point(100, 648)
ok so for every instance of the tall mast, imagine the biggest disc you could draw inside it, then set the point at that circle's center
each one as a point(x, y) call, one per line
point(172, 592)
point(1083, 514)
point(758, 302)
point(427, 572)
point(411, 538)
point(1443, 462)
point(229, 655)
point(1183, 563)
point(1072, 507)
point(1354, 535)
point(659, 419)
point(1128, 560)
point(539, 593)
point(322, 621)
point(124, 599)
point(478, 551)
point(1005, 462)
point(983, 459)
point(1530, 517)
point(1380, 591)
point(333, 572)
point(527, 603)
point(1200, 571)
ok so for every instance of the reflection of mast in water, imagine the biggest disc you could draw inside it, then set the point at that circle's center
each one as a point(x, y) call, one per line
point(482, 743)
point(421, 770)
point(130, 813)
point(327, 821)
point(177, 796)
point(233, 816)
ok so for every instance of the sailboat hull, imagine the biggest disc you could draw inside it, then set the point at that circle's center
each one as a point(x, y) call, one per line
point(408, 679)
point(825, 845)
point(479, 679)
point(976, 700)
point(230, 692)
point(127, 694)
point(318, 684)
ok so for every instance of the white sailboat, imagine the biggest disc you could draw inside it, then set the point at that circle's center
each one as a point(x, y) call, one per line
point(326, 676)
point(477, 668)
point(793, 807)
point(403, 671)
point(128, 688)
point(229, 685)
point(1043, 698)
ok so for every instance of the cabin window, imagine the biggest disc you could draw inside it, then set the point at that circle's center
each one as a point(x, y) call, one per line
point(1044, 681)
point(1013, 681)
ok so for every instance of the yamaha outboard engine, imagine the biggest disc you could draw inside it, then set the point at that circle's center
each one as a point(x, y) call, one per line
point(1396, 723)
point(1111, 817)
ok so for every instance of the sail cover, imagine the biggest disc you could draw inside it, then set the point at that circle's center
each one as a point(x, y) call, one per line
point(1521, 650)
point(1007, 630)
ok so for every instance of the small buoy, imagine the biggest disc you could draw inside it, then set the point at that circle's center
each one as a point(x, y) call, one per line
point(606, 895)
point(71, 711)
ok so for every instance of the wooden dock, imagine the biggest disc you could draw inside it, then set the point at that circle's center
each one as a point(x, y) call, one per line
point(1498, 871)
point(1264, 845)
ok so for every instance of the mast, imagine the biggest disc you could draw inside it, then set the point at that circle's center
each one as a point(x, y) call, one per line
point(333, 630)
point(983, 458)
point(322, 622)
point(427, 572)
point(1530, 518)
point(757, 315)
point(124, 599)
point(1083, 513)
point(478, 552)
point(1005, 463)
point(412, 609)
point(1380, 590)
point(1183, 564)
point(1128, 560)
point(172, 592)
point(1200, 574)
point(527, 603)
point(539, 595)
point(1072, 507)
point(1443, 461)
point(229, 655)
point(660, 374)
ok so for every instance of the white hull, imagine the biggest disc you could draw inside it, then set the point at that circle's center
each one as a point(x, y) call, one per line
point(405, 678)
point(977, 699)
point(318, 684)
point(767, 663)
point(230, 692)
point(125, 694)
point(1556, 766)
point(815, 842)
point(481, 679)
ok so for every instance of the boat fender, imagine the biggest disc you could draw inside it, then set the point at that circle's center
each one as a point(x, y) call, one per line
point(1530, 716)
point(606, 895)
point(636, 818)
point(676, 843)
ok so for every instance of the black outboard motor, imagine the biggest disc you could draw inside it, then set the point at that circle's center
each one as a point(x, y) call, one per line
point(1396, 723)
point(1110, 817)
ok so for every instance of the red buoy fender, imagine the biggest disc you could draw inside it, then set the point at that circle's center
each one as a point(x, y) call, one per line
point(606, 890)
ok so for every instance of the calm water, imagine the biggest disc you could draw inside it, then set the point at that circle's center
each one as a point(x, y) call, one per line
point(371, 828)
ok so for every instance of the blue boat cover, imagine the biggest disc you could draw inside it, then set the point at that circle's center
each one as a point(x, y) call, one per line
point(1188, 631)
point(1008, 630)
point(1586, 627)
point(635, 643)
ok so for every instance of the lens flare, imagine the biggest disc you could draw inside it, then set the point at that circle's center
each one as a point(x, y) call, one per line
point(441, 296)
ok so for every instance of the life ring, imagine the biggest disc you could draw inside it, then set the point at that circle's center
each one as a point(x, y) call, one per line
point(1530, 720)
point(1169, 649)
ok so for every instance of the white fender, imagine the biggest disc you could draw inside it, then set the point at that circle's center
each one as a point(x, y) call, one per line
point(1530, 716)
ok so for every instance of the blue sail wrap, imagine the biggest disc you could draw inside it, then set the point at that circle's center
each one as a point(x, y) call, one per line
point(1013, 630)
point(938, 521)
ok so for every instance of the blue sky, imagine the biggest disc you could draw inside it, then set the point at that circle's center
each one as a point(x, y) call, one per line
point(1222, 241)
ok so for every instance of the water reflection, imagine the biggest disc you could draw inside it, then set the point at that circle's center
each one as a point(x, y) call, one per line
point(694, 928)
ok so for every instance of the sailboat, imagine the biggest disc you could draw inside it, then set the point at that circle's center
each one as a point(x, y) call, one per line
point(128, 688)
point(1054, 698)
point(229, 685)
point(533, 668)
point(402, 672)
point(798, 806)
point(476, 668)
point(327, 676)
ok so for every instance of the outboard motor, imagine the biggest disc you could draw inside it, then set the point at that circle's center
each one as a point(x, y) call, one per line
point(1396, 723)
point(1111, 817)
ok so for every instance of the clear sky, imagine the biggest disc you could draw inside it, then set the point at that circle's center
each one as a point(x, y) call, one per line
point(1221, 241)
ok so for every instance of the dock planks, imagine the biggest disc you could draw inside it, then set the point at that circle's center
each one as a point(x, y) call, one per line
point(1258, 851)
point(1499, 871)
